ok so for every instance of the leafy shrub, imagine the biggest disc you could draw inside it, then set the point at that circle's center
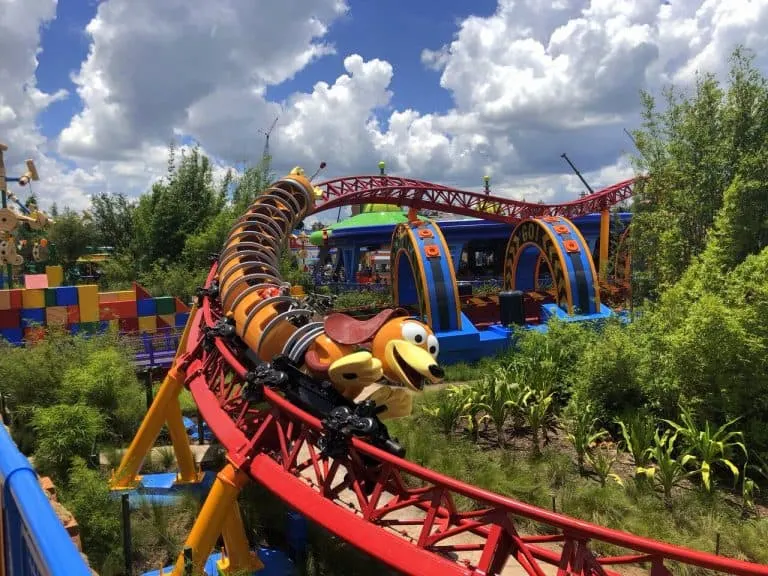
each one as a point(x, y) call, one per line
point(64, 432)
point(88, 497)
point(607, 374)
point(107, 381)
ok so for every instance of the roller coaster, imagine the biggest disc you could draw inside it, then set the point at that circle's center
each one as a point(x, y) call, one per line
point(299, 403)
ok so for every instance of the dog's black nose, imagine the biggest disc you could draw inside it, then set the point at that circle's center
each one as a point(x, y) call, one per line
point(436, 371)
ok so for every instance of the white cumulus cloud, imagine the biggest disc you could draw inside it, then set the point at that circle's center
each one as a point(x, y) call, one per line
point(532, 80)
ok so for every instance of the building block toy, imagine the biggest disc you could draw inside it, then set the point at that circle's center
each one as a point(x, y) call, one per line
point(66, 296)
point(33, 298)
point(31, 316)
point(56, 315)
point(83, 309)
point(50, 297)
point(10, 319)
point(73, 315)
point(148, 323)
point(146, 307)
point(165, 305)
point(55, 276)
point(88, 301)
point(32, 281)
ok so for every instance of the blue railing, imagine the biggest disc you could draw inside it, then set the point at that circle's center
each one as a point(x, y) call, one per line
point(154, 350)
point(35, 542)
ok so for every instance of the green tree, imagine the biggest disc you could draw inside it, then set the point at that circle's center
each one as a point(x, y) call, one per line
point(112, 220)
point(175, 209)
point(694, 150)
point(72, 235)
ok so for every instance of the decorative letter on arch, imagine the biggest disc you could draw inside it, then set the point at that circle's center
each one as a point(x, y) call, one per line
point(423, 274)
point(558, 242)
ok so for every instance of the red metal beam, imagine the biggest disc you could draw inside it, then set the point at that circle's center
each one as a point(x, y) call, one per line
point(427, 196)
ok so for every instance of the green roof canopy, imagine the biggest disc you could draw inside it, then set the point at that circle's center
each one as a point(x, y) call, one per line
point(389, 218)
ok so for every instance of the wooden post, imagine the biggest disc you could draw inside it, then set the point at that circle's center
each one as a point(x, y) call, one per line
point(4, 194)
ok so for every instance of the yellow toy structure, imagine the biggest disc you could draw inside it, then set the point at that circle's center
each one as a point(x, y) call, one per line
point(11, 219)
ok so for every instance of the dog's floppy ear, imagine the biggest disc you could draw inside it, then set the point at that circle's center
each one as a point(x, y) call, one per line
point(344, 329)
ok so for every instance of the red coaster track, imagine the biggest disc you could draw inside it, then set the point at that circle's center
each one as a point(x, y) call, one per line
point(427, 196)
point(403, 514)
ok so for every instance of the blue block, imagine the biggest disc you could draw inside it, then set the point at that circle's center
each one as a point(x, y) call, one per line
point(13, 335)
point(146, 307)
point(276, 563)
point(181, 319)
point(31, 316)
point(66, 295)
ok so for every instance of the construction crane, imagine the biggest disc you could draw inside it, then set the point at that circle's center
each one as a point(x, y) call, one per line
point(267, 133)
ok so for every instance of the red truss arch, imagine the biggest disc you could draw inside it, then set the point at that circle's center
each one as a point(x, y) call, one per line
point(424, 195)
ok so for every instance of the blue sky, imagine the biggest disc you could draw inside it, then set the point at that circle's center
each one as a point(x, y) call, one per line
point(396, 31)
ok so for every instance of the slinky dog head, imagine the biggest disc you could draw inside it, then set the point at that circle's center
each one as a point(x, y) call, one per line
point(406, 348)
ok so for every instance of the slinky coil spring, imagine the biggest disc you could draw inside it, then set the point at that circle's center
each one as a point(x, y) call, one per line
point(267, 318)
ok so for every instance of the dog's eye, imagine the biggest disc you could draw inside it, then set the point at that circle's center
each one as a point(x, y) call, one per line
point(414, 333)
point(433, 345)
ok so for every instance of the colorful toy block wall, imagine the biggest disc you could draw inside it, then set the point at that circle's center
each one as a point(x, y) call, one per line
point(44, 302)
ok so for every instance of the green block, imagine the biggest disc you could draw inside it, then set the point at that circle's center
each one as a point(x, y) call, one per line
point(165, 305)
point(50, 297)
point(90, 327)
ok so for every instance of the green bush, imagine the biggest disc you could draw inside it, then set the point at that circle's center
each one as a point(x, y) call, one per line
point(87, 496)
point(607, 374)
point(64, 432)
point(107, 381)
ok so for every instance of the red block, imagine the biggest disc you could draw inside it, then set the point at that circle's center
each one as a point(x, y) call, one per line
point(129, 324)
point(181, 307)
point(34, 334)
point(73, 314)
point(10, 319)
point(141, 293)
point(115, 310)
point(17, 299)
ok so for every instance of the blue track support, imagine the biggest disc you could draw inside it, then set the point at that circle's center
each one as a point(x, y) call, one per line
point(36, 542)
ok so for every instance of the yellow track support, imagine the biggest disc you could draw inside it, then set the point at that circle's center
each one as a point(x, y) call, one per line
point(165, 409)
point(220, 515)
point(605, 232)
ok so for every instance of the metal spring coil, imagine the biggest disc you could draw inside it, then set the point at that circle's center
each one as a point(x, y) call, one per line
point(267, 318)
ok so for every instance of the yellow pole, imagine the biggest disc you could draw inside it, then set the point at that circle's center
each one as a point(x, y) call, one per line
point(605, 232)
point(211, 520)
point(184, 458)
point(239, 556)
point(126, 475)
point(182, 349)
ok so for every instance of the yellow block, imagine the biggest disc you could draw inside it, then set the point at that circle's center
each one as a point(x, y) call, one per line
point(55, 275)
point(33, 298)
point(120, 296)
point(88, 301)
point(148, 324)
point(56, 315)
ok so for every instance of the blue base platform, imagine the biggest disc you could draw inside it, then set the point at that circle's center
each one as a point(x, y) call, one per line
point(276, 563)
point(161, 489)
point(549, 311)
point(470, 344)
